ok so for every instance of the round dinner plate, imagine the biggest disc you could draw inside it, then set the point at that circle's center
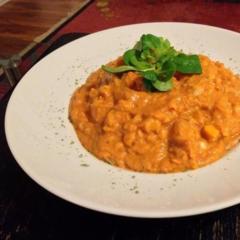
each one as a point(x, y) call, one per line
point(45, 145)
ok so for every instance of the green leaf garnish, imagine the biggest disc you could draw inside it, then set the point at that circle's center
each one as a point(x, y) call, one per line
point(157, 61)
point(187, 63)
point(148, 85)
point(150, 75)
point(130, 58)
point(167, 72)
point(163, 86)
point(119, 69)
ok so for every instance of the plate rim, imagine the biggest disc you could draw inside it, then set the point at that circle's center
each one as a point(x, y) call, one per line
point(101, 207)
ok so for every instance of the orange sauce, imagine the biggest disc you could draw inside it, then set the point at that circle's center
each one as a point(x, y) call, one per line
point(192, 125)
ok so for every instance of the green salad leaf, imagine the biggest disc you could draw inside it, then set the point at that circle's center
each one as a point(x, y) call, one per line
point(163, 86)
point(187, 63)
point(119, 69)
point(157, 61)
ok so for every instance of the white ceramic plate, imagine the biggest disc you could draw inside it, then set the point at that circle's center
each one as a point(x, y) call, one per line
point(45, 145)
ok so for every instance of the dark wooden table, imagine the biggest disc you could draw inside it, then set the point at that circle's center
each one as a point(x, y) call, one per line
point(25, 23)
point(29, 212)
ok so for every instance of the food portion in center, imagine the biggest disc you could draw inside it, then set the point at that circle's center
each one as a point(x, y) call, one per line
point(158, 110)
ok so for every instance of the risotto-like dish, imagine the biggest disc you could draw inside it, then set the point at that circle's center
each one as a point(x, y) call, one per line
point(192, 125)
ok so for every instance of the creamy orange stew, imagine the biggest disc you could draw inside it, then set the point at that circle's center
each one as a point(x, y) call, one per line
point(192, 125)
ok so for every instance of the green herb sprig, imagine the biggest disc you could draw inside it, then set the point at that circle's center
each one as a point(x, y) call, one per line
point(157, 61)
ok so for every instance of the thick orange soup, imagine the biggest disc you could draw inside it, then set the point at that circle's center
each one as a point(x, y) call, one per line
point(166, 120)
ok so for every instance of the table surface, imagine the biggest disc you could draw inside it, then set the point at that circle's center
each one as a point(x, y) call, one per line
point(24, 23)
point(29, 212)
point(224, 14)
